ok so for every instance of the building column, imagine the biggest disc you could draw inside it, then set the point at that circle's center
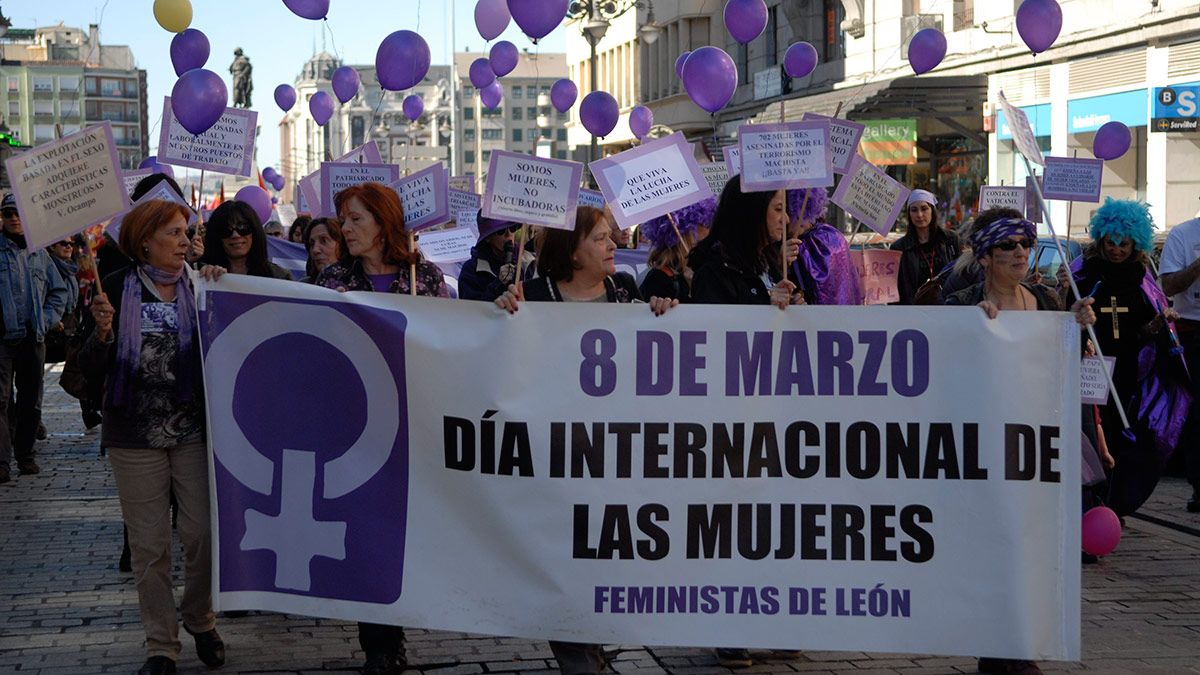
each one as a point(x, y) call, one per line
point(1059, 141)
point(1156, 143)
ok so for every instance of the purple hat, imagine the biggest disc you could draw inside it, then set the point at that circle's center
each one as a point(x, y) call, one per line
point(490, 226)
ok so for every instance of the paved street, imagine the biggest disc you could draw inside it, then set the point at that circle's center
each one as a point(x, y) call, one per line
point(66, 609)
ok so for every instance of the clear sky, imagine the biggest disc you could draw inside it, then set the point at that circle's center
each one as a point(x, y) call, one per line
point(276, 41)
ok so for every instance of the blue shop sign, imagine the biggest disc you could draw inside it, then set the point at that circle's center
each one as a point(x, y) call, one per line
point(1089, 114)
point(1039, 121)
point(1177, 108)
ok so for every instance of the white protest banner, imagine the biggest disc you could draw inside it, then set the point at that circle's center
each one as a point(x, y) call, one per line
point(463, 183)
point(716, 175)
point(130, 179)
point(67, 186)
point(651, 180)
point(1093, 385)
point(461, 202)
point(337, 176)
point(869, 194)
point(733, 160)
point(424, 196)
point(532, 190)
point(162, 191)
point(1022, 133)
point(1002, 196)
point(448, 246)
point(227, 147)
point(1072, 179)
point(592, 198)
point(844, 137)
point(878, 273)
point(811, 479)
point(785, 156)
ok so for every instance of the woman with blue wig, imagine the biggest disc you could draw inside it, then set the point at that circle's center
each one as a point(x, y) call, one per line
point(1134, 325)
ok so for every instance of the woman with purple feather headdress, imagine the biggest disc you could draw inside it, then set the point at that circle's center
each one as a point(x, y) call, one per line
point(823, 270)
point(671, 239)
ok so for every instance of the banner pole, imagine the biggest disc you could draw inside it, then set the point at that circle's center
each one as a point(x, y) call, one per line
point(675, 226)
point(521, 236)
point(788, 232)
point(1112, 387)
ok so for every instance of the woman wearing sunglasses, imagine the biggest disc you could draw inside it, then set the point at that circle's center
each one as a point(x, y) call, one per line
point(492, 266)
point(234, 239)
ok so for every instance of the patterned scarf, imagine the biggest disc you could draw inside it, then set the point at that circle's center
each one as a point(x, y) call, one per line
point(986, 237)
point(129, 342)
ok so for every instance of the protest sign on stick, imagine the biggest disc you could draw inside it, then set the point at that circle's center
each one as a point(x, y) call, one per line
point(448, 246)
point(651, 180)
point(309, 187)
point(785, 156)
point(733, 160)
point(716, 175)
point(592, 198)
point(532, 190)
point(227, 147)
point(878, 273)
point(844, 137)
point(463, 206)
point(66, 186)
point(337, 176)
point(425, 197)
point(872, 196)
point(1002, 196)
point(1072, 179)
point(130, 179)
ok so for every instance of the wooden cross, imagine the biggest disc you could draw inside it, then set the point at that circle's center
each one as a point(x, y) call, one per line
point(1116, 311)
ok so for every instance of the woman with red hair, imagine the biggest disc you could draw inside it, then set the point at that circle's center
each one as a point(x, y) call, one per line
point(379, 256)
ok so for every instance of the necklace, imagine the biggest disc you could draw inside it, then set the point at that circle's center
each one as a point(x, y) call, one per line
point(988, 295)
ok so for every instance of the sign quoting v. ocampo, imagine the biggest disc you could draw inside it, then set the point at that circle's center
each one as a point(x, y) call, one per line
point(785, 156)
point(719, 475)
point(227, 147)
point(67, 186)
point(532, 190)
point(651, 180)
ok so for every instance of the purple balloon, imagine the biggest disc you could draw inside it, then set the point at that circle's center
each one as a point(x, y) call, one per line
point(491, 18)
point(926, 50)
point(402, 60)
point(285, 97)
point(599, 112)
point(345, 83)
point(679, 64)
point(481, 73)
point(492, 95)
point(258, 199)
point(503, 57)
point(1112, 140)
point(189, 50)
point(278, 183)
point(151, 162)
point(745, 19)
point(413, 107)
point(308, 9)
point(198, 99)
point(537, 18)
point(274, 200)
point(1039, 22)
point(563, 95)
point(641, 119)
point(269, 174)
point(710, 78)
point(800, 60)
point(321, 107)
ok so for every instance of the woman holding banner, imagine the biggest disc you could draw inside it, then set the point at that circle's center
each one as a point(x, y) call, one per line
point(1135, 328)
point(379, 258)
point(235, 240)
point(492, 266)
point(739, 262)
point(144, 348)
point(325, 244)
point(671, 240)
point(925, 248)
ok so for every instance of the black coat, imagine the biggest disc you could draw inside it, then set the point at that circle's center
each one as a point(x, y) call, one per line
point(620, 287)
point(921, 262)
point(663, 282)
point(720, 279)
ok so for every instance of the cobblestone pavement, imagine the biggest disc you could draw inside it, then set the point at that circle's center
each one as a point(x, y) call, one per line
point(64, 607)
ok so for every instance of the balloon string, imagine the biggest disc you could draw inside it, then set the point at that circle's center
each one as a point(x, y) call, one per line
point(332, 41)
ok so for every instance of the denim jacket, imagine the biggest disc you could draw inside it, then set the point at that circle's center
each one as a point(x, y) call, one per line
point(31, 291)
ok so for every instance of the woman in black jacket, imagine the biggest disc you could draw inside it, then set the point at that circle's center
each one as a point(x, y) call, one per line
point(739, 262)
point(492, 266)
point(926, 248)
point(234, 239)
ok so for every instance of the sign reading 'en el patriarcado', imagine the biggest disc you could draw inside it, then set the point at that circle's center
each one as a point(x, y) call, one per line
point(872, 196)
point(804, 479)
point(785, 156)
point(532, 190)
point(337, 176)
point(227, 147)
point(67, 186)
point(651, 180)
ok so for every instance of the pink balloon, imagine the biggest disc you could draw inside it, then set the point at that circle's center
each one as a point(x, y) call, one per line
point(258, 199)
point(1101, 531)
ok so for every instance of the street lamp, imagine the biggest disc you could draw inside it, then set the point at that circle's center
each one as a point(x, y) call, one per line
point(598, 15)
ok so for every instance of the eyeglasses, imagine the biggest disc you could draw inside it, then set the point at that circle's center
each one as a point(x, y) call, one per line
point(243, 229)
point(1011, 244)
point(68, 244)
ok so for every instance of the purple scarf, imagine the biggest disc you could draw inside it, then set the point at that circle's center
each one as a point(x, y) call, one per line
point(129, 342)
point(826, 274)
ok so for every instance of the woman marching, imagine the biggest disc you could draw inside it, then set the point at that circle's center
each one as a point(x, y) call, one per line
point(379, 259)
point(671, 240)
point(235, 240)
point(325, 244)
point(144, 348)
point(925, 248)
point(492, 267)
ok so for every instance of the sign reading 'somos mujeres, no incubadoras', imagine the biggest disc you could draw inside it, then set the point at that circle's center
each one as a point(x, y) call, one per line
point(68, 185)
point(532, 190)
